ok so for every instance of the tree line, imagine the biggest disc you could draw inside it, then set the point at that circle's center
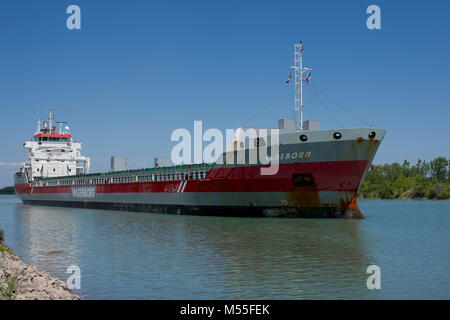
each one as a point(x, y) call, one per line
point(423, 180)
point(7, 190)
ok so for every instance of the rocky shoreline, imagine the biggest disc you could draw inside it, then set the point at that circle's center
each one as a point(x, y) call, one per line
point(23, 281)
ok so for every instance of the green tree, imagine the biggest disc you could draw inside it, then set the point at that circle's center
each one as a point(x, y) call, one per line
point(438, 168)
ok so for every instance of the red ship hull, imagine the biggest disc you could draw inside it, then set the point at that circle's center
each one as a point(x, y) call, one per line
point(301, 188)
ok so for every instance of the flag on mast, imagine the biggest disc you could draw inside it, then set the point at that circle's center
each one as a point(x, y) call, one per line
point(307, 78)
point(290, 78)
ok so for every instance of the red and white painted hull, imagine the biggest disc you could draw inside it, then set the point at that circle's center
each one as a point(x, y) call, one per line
point(337, 168)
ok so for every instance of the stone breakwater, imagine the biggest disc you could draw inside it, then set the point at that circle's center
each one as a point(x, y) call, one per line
point(22, 281)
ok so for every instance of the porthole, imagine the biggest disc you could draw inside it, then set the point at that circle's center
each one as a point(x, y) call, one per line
point(303, 138)
point(372, 134)
point(337, 135)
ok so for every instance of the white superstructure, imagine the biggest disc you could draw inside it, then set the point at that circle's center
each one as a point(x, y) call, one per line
point(53, 153)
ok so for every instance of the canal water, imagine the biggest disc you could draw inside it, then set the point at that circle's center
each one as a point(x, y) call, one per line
point(132, 255)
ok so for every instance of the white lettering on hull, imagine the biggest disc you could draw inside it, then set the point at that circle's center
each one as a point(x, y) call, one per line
point(295, 155)
point(83, 192)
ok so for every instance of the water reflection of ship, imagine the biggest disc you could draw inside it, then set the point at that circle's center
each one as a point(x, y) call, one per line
point(240, 257)
point(286, 259)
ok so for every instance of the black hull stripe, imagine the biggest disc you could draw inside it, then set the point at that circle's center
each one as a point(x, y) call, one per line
point(226, 211)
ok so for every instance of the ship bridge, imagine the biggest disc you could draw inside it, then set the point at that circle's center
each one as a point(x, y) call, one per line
point(56, 137)
point(53, 153)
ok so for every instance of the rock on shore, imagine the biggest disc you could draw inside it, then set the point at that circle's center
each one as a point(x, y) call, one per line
point(22, 281)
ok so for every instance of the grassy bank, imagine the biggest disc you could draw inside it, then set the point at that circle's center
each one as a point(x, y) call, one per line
point(424, 180)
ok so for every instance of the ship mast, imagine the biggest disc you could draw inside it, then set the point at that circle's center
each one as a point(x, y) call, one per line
point(298, 83)
point(50, 120)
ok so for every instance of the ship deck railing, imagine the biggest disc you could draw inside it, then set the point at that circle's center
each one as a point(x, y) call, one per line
point(173, 173)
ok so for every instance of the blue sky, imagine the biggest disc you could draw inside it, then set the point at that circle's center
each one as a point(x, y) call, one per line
point(137, 70)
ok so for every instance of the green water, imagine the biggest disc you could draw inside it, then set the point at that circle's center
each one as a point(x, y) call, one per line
point(128, 255)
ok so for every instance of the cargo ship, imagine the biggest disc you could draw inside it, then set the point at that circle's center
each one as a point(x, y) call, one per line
point(318, 172)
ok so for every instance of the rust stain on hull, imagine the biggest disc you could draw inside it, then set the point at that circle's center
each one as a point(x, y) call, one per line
point(306, 199)
point(353, 211)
